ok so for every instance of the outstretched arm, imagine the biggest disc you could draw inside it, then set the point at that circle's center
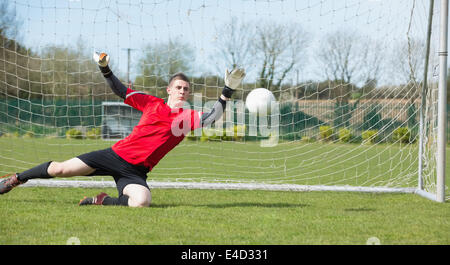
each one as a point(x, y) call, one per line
point(215, 113)
point(117, 87)
point(232, 81)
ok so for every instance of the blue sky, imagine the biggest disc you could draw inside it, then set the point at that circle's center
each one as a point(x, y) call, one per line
point(115, 25)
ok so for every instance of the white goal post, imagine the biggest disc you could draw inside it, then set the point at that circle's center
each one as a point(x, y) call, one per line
point(442, 104)
point(360, 88)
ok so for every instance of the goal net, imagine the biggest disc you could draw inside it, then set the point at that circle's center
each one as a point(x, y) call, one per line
point(356, 88)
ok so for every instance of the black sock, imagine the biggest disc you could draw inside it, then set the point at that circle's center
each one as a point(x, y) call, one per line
point(122, 200)
point(35, 172)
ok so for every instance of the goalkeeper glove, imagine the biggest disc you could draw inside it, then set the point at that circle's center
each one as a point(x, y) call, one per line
point(232, 81)
point(234, 78)
point(102, 60)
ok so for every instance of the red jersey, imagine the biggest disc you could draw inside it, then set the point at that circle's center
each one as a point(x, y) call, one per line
point(159, 130)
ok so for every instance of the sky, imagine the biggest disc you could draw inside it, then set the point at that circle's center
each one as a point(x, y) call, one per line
point(117, 25)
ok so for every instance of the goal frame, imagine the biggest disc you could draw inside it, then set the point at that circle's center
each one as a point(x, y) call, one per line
point(442, 107)
point(437, 195)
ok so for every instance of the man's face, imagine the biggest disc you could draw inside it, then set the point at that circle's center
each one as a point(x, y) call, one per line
point(178, 92)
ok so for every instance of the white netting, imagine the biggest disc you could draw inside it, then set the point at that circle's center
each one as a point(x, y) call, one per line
point(347, 75)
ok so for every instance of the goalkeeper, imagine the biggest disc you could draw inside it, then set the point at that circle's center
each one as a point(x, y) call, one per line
point(162, 126)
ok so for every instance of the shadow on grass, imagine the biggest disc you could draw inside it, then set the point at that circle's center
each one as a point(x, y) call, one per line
point(46, 201)
point(363, 209)
point(235, 204)
point(41, 201)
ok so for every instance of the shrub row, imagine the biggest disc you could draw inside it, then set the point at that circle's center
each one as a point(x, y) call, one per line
point(327, 133)
point(94, 133)
point(219, 134)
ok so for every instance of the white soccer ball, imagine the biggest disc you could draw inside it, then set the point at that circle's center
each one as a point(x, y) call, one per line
point(259, 101)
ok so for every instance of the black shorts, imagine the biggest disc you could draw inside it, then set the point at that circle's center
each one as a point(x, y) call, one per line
point(107, 163)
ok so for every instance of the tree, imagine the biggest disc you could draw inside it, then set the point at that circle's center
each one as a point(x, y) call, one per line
point(372, 65)
point(234, 44)
point(337, 56)
point(160, 62)
point(66, 70)
point(9, 24)
point(408, 60)
point(274, 49)
point(278, 50)
point(14, 56)
point(347, 58)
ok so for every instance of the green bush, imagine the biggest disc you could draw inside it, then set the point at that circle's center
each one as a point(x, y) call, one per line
point(239, 132)
point(345, 135)
point(94, 133)
point(28, 135)
point(74, 134)
point(212, 134)
point(191, 137)
point(11, 135)
point(369, 136)
point(307, 139)
point(402, 135)
point(325, 132)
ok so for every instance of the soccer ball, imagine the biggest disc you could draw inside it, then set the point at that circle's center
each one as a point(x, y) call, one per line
point(259, 101)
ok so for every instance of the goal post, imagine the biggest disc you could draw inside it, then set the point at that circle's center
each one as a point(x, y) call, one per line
point(442, 104)
point(360, 88)
point(439, 193)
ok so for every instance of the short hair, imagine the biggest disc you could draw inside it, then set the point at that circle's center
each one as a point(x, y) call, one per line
point(179, 76)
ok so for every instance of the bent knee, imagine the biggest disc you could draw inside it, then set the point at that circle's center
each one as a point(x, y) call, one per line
point(138, 195)
point(139, 201)
point(55, 169)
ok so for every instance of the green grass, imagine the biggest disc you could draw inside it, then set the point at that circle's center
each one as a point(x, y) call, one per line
point(51, 216)
point(293, 162)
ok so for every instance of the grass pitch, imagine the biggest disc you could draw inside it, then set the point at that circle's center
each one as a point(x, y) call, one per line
point(287, 163)
point(51, 216)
